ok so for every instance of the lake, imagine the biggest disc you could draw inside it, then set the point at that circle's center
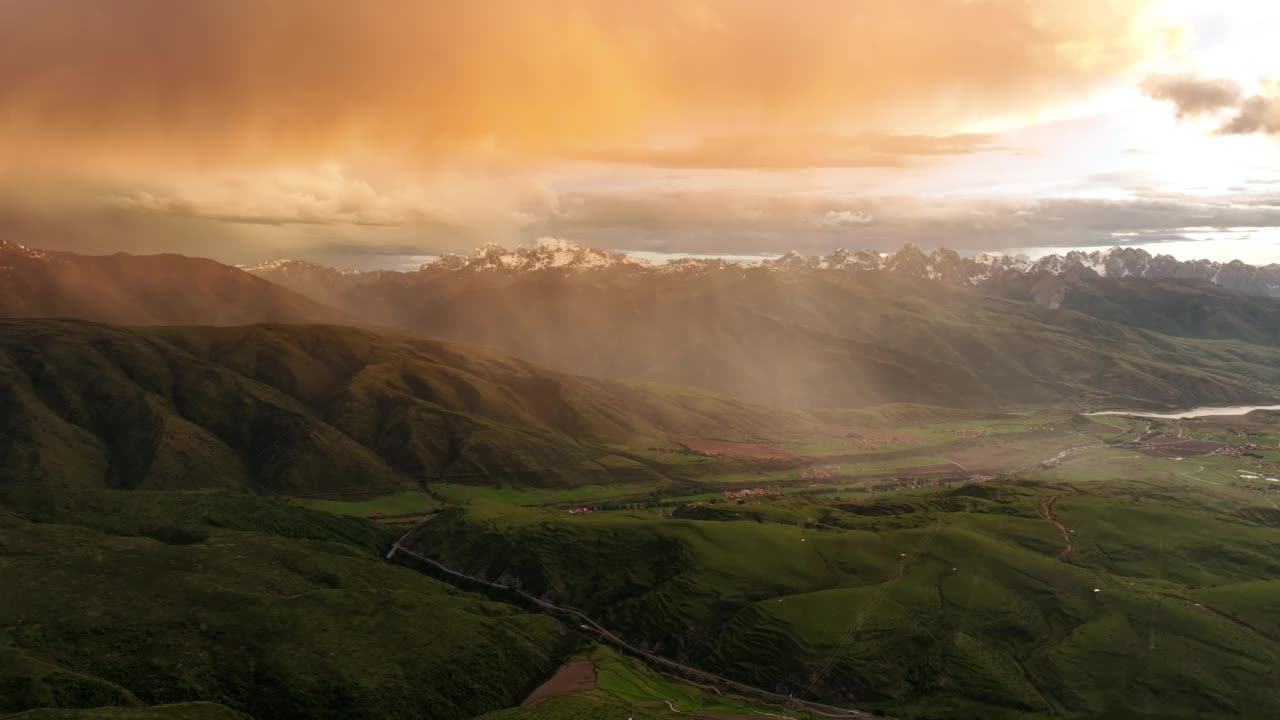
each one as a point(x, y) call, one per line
point(1192, 413)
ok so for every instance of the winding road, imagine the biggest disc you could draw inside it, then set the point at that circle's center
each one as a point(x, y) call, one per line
point(587, 624)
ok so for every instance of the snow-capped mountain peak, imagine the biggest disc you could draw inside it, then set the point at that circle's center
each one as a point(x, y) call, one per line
point(13, 249)
point(13, 255)
point(544, 254)
point(269, 265)
point(286, 266)
point(943, 266)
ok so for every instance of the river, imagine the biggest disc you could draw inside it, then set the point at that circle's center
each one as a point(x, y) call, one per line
point(1192, 413)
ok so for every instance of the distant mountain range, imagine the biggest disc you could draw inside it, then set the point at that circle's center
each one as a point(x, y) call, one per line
point(943, 265)
point(850, 328)
point(845, 330)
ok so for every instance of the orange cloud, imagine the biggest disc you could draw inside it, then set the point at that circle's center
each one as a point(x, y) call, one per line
point(799, 151)
point(143, 83)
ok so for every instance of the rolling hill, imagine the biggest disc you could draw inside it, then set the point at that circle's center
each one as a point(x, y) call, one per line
point(944, 603)
point(317, 410)
point(144, 290)
point(212, 606)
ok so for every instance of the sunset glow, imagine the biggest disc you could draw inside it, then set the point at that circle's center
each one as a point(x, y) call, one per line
point(245, 130)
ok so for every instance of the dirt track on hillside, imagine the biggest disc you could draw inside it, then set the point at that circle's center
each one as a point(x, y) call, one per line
point(572, 677)
point(1046, 509)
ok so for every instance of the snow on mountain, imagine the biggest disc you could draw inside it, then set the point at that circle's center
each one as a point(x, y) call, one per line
point(13, 249)
point(546, 253)
point(943, 265)
point(13, 254)
point(841, 259)
point(293, 267)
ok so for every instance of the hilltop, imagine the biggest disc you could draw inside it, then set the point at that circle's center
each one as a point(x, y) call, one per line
point(316, 409)
point(145, 290)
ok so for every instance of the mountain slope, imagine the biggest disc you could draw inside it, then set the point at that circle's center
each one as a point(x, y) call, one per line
point(144, 290)
point(1185, 308)
point(810, 336)
point(852, 329)
point(315, 409)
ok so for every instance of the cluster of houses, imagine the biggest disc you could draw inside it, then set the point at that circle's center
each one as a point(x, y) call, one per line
point(749, 492)
point(875, 442)
point(1244, 450)
point(823, 472)
point(969, 432)
point(682, 450)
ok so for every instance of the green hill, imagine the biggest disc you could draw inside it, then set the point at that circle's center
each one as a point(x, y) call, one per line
point(946, 603)
point(125, 600)
point(317, 410)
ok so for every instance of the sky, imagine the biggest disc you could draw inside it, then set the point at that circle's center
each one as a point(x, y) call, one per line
point(366, 133)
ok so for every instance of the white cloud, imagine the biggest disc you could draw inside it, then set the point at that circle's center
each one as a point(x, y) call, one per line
point(838, 218)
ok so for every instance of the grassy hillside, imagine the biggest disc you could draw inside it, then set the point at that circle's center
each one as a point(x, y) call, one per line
point(950, 603)
point(123, 601)
point(860, 557)
point(176, 711)
point(316, 409)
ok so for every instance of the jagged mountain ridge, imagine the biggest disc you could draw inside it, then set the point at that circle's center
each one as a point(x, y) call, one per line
point(943, 265)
